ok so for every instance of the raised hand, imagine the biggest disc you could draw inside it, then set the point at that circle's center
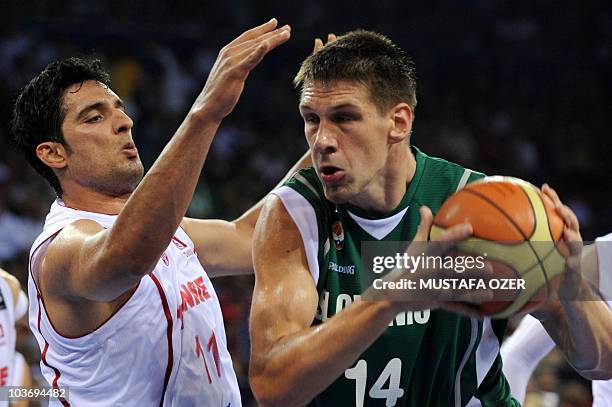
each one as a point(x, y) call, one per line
point(573, 239)
point(318, 42)
point(234, 63)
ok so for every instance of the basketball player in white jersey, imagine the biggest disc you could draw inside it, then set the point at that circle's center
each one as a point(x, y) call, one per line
point(13, 305)
point(530, 343)
point(121, 301)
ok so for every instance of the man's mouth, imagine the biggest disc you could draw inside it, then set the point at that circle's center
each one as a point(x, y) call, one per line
point(130, 149)
point(331, 174)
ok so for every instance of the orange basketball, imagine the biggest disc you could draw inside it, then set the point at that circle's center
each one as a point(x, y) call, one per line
point(516, 228)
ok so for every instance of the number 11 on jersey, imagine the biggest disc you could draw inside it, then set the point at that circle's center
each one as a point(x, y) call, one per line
point(211, 348)
point(392, 373)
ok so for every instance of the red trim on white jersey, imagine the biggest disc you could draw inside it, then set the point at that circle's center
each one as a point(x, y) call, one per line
point(43, 358)
point(39, 294)
point(180, 242)
point(164, 301)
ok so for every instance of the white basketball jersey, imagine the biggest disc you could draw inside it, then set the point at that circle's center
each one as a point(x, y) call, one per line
point(165, 346)
point(8, 336)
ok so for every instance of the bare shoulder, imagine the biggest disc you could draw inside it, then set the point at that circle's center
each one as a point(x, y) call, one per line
point(66, 248)
point(70, 239)
point(285, 295)
point(277, 226)
point(277, 245)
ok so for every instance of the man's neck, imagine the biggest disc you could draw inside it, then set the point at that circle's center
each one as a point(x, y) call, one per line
point(389, 186)
point(85, 199)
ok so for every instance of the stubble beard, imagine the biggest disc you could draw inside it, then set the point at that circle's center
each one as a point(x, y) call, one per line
point(120, 181)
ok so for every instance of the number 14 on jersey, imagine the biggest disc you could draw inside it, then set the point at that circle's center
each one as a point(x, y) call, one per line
point(391, 373)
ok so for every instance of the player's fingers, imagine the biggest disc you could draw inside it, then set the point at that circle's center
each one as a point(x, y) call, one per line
point(424, 225)
point(255, 32)
point(256, 55)
point(266, 42)
point(569, 217)
point(318, 44)
point(454, 233)
point(239, 51)
point(573, 240)
point(331, 37)
point(448, 239)
point(551, 193)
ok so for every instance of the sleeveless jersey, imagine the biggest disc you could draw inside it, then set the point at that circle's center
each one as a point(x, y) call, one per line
point(165, 346)
point(8, 336)
point(424, 358)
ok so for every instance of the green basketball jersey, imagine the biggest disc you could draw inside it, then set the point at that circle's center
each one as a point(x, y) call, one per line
point(424, 358)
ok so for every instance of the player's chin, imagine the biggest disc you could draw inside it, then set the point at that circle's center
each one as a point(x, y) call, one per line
point(133, 173)
point(339, 194)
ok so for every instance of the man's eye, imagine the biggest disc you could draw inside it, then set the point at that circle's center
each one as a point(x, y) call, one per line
point(341, 118)
point(94, 119)
point(311, 119)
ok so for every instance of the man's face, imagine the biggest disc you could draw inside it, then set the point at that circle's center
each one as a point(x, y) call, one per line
point(348, 138)
point(99, 135)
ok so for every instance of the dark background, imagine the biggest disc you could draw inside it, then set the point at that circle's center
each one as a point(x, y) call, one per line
point(516, 88)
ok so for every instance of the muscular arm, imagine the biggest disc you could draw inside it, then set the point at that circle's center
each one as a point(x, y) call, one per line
point(579, 322)
point(224, 248)
point(291, 362)
point(87, 261)
point(530, 343)
point(583, 331)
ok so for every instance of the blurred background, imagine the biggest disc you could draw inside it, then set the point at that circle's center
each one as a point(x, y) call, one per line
point(516, 88)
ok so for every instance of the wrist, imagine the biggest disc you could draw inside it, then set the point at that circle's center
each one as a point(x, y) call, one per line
point(204, 116)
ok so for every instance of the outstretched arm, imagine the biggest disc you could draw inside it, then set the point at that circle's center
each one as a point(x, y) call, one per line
point(87, 261)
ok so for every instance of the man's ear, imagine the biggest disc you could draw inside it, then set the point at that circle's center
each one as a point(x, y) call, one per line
point(402, 117)
point(52, 153)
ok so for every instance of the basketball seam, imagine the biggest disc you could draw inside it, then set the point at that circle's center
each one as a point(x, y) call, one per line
point(492, 203)
point(513, 223)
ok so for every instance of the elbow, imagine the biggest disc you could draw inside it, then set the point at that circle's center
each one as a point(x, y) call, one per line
point(269, 393)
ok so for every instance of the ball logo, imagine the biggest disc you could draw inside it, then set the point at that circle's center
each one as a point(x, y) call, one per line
point(338, 235)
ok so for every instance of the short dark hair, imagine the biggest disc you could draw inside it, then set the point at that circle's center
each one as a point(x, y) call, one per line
point(366, 57)
point(39, 112)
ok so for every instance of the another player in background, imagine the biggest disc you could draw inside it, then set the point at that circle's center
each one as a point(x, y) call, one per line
point(312, 339)
point(122, 305)
point(530, 343)
point(13, 305)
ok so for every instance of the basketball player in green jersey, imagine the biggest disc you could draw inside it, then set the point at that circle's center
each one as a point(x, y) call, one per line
point(313, 340)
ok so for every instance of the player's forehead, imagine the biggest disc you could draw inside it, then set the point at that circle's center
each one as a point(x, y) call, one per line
point(318, 95)
point(82, 94)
